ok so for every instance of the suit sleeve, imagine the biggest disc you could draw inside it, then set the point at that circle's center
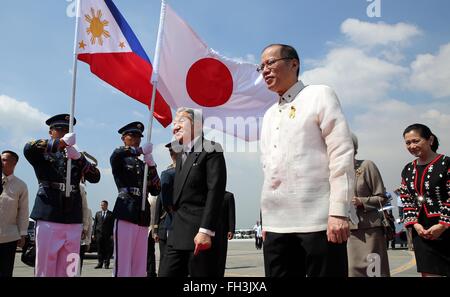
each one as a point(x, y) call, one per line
point(372, 178)
point(231, 214)
point(216, 179)
point(167, 181)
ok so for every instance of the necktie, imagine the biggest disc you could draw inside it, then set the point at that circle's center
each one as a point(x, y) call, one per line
point(104, 214)
point(184, 157)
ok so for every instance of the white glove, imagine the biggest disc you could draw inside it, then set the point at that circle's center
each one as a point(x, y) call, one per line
point(148, 158)
point(147, 148)
point(69, 139)
point(72, 153)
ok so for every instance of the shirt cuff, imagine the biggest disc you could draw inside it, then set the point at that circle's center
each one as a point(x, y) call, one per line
point(206, 231)
point(339, 209)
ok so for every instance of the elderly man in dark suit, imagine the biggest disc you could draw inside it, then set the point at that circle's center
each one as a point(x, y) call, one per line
point(199, 188)
point(103, 234)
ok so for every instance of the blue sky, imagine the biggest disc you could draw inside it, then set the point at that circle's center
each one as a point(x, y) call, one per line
point(388, 72)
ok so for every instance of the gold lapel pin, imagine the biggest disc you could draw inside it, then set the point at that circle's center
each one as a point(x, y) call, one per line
point(292, 112)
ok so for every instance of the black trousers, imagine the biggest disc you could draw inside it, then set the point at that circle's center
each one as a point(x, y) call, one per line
point(83, 249)
point(304, 254)
point(7, 255)
point(162, 253)
point(183, 263)
point(151, 259)
point(222, 258)
point(104, 249)
point(258, 242)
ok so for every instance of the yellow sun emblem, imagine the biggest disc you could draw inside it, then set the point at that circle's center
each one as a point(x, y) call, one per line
point(96, 26)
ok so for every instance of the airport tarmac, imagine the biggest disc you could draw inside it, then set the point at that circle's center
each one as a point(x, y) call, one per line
point(243, 260)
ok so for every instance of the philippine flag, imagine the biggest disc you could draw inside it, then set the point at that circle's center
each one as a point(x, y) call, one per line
point(107, 43)
point(232, 95)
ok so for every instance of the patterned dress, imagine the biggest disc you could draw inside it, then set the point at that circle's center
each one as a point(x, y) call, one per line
point(425, 193)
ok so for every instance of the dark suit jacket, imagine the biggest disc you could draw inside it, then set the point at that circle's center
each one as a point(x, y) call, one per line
point(198, 193)
point(163, 220)
point(164, 202)
point(167, 184)
point(103, 227)
point(228, 215)
point(227, 224)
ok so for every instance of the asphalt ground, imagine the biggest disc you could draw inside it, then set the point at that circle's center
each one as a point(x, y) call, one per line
point(243, 260)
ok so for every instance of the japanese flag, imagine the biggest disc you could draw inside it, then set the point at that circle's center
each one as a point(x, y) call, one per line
point(232, 95)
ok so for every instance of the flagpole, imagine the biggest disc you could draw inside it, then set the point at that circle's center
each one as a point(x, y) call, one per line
point(154, 81)
point(72, 103)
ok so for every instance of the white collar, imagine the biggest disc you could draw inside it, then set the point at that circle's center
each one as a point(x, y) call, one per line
point(292, 92)
point(188, 147)
point(8, 178)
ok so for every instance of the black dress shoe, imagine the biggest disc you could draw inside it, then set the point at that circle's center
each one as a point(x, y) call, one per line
point(98, 266)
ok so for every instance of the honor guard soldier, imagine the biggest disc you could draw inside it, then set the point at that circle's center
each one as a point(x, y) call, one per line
point(131, 225)
point(59, 218)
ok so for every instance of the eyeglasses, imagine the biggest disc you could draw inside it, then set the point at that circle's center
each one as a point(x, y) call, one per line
point(270, 64)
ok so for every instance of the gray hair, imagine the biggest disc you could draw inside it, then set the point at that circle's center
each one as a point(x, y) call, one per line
point(195, 115)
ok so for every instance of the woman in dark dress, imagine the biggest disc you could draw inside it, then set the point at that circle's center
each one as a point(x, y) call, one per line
point(425, 193)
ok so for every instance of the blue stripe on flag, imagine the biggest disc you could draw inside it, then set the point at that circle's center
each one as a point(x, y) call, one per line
point(127, 32)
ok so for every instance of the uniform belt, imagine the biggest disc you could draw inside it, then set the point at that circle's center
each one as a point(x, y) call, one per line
point(56, 186)
point(131, 190)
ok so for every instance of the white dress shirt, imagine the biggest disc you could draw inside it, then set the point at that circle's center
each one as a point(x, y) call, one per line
point(307, 158)
point(13, 209)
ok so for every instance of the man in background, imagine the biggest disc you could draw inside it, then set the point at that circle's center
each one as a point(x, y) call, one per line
point(13, 213)
point(103, 234)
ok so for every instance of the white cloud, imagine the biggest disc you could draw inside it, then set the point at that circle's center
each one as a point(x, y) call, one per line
point(431, 73)
point(371, 34)
point(442, 119)
point(249, 58)
point(18, 121)
point(356, 77)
